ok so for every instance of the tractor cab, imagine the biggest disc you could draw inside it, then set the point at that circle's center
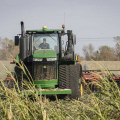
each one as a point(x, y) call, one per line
point(45, 46)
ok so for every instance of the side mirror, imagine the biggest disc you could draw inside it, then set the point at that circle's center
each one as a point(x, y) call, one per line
point(74, 39)
point(16, 40)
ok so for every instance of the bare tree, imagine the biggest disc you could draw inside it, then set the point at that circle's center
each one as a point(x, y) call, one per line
point(117, 46)
point(7, 49)
point(88, 52)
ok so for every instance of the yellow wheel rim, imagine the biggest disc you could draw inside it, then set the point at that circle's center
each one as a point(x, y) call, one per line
point(81, 90)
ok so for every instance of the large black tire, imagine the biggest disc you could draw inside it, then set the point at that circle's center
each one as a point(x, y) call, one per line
point(69, 76)
point(18, 76)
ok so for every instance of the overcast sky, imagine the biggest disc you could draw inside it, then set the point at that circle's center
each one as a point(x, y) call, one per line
point(89, 19)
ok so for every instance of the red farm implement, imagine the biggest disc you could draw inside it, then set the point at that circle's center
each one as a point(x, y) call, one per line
point(90, 76)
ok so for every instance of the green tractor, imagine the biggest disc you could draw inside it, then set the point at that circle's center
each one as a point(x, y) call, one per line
point(51, 64)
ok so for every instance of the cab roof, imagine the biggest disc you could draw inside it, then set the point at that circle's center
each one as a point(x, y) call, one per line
point(44, 30)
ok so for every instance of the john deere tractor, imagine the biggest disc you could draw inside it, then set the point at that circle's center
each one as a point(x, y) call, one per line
point(51, 64)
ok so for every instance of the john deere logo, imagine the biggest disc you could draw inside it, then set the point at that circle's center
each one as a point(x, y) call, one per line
point(44, 66)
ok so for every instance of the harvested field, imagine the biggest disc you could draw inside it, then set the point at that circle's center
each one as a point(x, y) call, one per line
point(9, 66)
point(102, 65)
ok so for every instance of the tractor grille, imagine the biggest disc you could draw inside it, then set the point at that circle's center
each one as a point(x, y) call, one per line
point(44, 70)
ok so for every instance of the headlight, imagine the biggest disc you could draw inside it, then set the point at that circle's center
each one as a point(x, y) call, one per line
point(35, 59)
point(51, 59)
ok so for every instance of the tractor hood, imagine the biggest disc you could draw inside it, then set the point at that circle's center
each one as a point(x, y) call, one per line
point(44, 53)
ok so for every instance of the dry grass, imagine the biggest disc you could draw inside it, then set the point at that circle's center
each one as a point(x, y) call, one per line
point(102, 105)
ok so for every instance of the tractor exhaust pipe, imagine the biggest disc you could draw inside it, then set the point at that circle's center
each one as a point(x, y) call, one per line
point(22, 29)
point(22, 42)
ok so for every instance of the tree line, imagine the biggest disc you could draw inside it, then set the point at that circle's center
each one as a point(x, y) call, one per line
point(7, 49)
point(104, 53)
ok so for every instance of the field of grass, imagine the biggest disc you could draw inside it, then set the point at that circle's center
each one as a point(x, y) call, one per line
point(103, 104)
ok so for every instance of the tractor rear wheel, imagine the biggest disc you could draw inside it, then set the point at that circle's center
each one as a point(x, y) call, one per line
point(69, 78)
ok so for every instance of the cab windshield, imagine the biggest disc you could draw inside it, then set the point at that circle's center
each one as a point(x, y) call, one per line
point(46, 41)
